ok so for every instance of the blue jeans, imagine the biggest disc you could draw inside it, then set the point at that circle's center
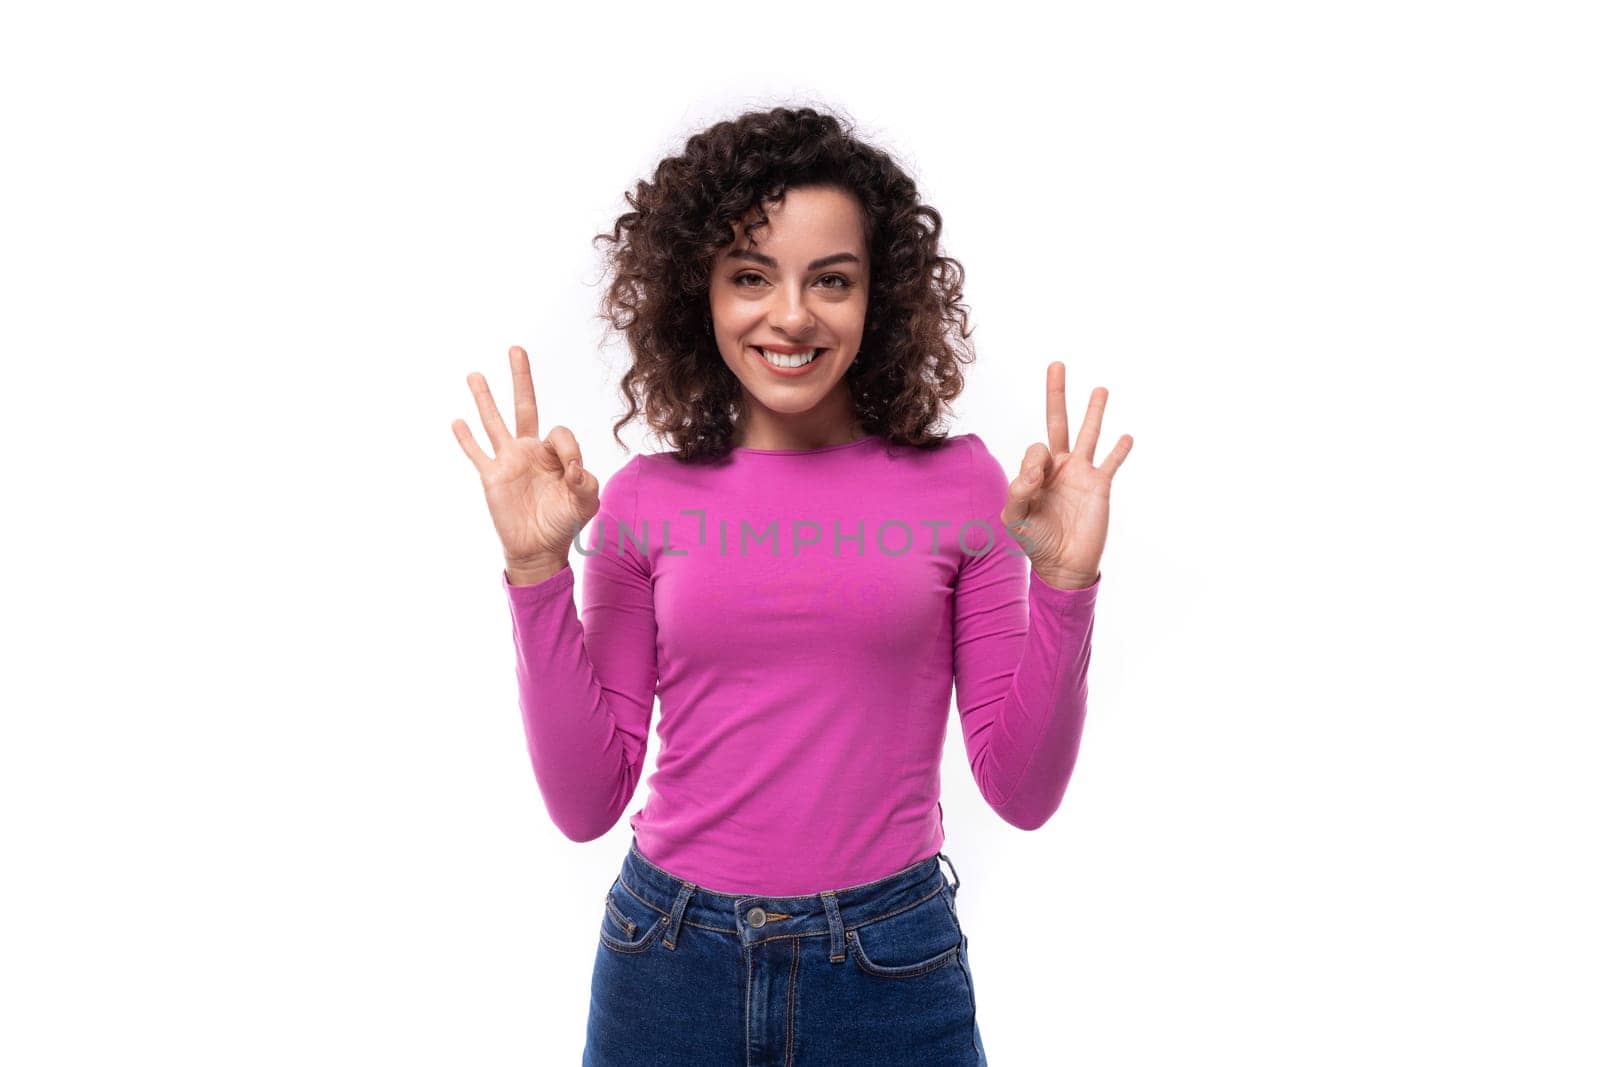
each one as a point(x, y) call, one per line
point(869, 974)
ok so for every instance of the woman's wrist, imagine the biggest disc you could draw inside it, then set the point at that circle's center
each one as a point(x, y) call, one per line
point(1068, 580)
point(535, 569)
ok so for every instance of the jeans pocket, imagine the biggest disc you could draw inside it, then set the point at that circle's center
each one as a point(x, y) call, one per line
point(922, 939)
point(629, 925)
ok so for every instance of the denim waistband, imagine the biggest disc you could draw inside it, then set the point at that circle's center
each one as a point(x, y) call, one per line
point(755, 918)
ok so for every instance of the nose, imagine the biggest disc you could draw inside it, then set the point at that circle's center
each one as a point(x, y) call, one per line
point(791, 315)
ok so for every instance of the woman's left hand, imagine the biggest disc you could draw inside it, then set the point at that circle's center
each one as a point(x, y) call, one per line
point(1060, 502)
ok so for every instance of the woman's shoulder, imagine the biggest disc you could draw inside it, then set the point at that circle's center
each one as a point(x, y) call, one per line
point(986, 475)
point(964, 465)
point(950, 450)
point(981, 461)
point(974, 443)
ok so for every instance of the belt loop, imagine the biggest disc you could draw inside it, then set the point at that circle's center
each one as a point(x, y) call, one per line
point(830, 904)
point(957, 884)
point(671, 938)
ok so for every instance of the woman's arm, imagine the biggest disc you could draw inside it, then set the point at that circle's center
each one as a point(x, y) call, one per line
point(1022, 651)
point(587, 688)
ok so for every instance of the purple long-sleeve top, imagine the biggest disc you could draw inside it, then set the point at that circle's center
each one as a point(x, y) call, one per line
point(802, 615)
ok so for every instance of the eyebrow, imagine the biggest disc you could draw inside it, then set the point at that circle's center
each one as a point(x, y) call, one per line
point(837, 257)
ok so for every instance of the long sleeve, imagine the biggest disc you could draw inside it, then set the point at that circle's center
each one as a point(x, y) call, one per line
point(587, 688)
point(1022, 652)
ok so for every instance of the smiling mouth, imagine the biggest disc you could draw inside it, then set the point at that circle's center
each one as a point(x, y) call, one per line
point(790, 362)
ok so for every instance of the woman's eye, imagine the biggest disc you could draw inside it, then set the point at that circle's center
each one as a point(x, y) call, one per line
point(754, 278)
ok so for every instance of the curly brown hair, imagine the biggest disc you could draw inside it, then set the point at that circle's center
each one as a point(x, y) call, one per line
point(915, 339)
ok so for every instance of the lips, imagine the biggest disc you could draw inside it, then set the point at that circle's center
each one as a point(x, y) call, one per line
point(820, 353)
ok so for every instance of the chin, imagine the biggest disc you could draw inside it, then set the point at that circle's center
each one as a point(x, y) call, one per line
point(789, 404)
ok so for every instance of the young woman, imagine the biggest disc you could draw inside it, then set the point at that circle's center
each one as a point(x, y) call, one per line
point(800, 579)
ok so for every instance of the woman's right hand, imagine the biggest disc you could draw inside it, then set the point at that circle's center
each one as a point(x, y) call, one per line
point(538, 491)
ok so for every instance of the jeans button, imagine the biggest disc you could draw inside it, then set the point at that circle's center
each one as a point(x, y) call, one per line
point(755, 917)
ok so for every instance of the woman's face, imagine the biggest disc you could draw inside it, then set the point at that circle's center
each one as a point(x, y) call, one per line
point(803, 285)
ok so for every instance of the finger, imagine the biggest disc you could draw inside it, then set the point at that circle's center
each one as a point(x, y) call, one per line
point(1055, 406)
point(1089, 433)
point(568, 456)
point(1118, 454)
point(527, 407)
point(1038, 461)
point(1018, 506)
point(1023, 491)
point(469, 445)
point(588, 487)
point(498, 434)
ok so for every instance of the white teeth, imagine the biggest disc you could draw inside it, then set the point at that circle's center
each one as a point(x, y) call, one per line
point(782, 359)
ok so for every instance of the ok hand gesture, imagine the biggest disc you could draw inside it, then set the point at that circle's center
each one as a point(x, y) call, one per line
point(539, 493)
point(1060, 501)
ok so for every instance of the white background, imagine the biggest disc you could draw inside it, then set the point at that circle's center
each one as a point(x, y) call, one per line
point(265, 793)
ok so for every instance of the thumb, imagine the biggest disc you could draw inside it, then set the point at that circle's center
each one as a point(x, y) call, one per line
point(586, 488)
point(1023, 492)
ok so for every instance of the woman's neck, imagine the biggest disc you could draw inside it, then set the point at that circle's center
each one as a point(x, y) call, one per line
point(781, 434)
